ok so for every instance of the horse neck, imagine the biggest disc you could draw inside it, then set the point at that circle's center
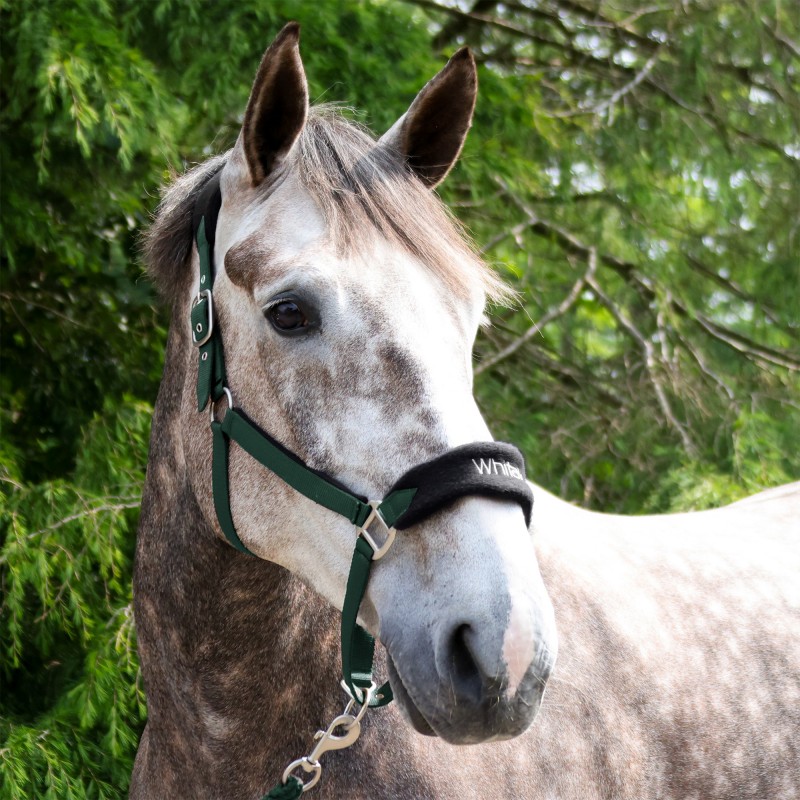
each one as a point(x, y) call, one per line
point(232, 648)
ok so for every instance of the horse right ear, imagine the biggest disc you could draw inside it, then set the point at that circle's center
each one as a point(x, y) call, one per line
point(278, 106)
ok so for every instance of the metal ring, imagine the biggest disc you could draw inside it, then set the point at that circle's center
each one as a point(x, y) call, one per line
point(308, 766)
point(366, 697)
point(228, 397)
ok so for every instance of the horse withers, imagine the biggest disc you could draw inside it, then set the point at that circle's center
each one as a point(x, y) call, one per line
point(345, 305)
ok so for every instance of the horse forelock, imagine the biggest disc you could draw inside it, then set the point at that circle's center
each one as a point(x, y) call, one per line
point(363, 190)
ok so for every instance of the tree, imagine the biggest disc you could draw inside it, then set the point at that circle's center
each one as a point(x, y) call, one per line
point(636, 171)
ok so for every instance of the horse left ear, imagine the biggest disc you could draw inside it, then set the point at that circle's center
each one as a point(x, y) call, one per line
point(278, 106)
point(431, 133)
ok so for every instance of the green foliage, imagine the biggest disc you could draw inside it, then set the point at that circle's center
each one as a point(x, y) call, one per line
point(83, 125)
point(632, 170)
point(760, 459)
point(72, 708)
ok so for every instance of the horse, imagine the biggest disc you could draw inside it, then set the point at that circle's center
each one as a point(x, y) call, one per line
point(347, 301)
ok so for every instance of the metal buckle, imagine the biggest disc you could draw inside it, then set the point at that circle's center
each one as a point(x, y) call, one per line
point(375, 516)
point(197, 300)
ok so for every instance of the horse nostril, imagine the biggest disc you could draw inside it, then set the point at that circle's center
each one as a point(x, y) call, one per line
point(467, 677)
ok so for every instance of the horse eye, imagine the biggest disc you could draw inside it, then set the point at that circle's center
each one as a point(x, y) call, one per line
point(286, 316)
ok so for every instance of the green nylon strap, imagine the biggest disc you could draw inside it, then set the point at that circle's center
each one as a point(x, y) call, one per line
point(296, 474)
point(211, 367)
point(395, 505)
point(358, 647)
point(211, 372)
point(221, 490)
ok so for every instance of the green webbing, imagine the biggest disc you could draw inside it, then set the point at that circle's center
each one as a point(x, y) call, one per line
point(358, 647)
point(211, 366)
point(395, 505)
point(290, 790)
point(221, 491)
point(296, 474)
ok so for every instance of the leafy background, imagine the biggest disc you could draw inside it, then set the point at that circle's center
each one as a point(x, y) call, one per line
point(632, 171)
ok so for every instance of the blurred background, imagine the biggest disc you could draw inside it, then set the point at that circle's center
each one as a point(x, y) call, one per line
point(633, 172)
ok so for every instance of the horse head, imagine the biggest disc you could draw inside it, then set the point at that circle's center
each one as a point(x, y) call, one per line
point(348, 301)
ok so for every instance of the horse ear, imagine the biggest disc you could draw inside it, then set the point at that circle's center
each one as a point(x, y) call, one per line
point(278, 105)
point(431, 133)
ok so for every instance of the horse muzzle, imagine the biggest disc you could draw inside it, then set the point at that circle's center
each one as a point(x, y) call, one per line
point(471, 639)
point(459, 684)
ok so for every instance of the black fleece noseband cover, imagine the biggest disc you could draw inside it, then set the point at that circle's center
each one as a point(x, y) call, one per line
point(490, 469)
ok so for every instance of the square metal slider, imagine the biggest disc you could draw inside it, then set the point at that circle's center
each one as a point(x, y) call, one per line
point(375, 530)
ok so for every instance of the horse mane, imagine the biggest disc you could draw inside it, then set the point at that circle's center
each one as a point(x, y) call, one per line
point(362, 189)
point(167, 244)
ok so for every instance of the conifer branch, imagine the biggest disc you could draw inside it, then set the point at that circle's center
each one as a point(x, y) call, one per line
point(551, 314)
point(106, 508)
point(651, 365)
point(648, 287)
